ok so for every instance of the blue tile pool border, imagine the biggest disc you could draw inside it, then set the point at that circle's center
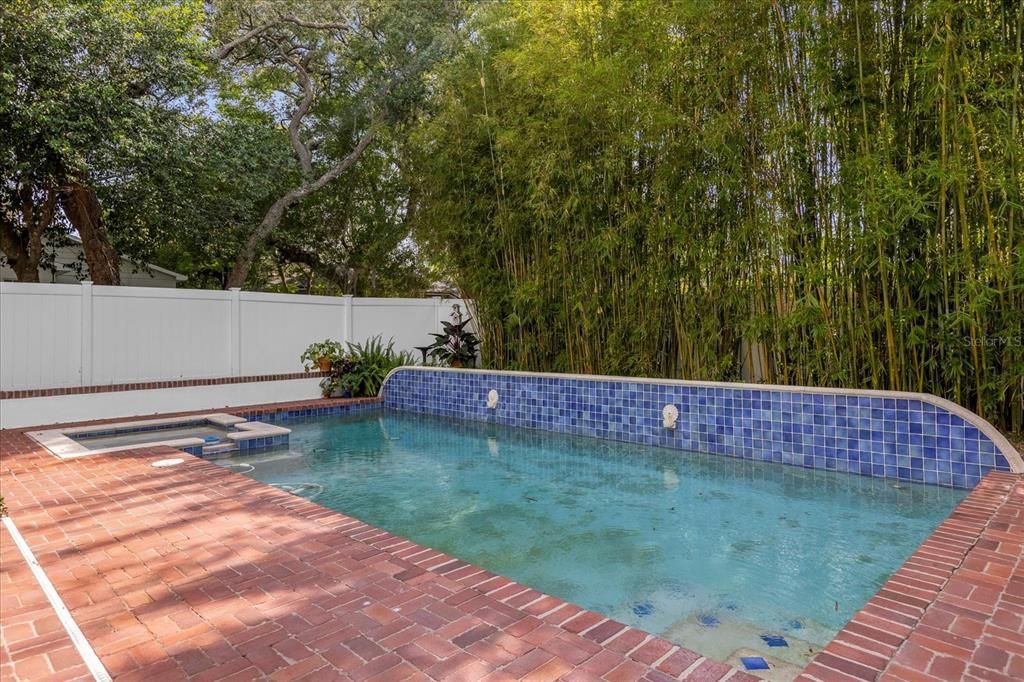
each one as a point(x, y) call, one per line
point(283, 415)
point(118, 430)
point(905, 436)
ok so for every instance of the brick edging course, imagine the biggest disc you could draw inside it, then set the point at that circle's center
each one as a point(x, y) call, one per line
point(10, 394)
point(877, 642)
point(248, 411)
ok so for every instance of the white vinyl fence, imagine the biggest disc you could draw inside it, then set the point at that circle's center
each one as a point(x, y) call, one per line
point(58, 335)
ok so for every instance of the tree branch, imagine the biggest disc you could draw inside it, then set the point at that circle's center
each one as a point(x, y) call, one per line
point(339, 275)
point(276, 212)
point(226, 49)
point(349, 160)
point(302, 152)
point(317, 25)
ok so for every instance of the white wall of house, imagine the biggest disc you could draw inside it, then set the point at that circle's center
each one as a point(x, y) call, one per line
point(59, 335)
point(69, 267)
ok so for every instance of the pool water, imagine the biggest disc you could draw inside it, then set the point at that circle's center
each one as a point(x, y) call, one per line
point(715, 553)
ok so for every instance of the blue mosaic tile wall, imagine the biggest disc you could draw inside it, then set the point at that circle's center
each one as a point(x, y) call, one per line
point(285, 416)
point(115, 429)
point(263, 443)
point(905, 439)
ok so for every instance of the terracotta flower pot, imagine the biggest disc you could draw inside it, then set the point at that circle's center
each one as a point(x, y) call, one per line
point(455, 363)
point(324, 364)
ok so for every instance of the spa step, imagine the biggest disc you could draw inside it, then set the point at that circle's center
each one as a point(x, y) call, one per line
point(219, 449)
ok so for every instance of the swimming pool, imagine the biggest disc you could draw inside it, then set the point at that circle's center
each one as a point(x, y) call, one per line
point(725, 556)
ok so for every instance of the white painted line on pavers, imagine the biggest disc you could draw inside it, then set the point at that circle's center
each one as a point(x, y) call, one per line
point(92, 661)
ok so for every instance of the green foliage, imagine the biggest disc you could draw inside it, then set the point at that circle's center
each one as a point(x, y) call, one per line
point(84, 79)
point(190, 203)
point(331, 384)
point(337, 73)
point(457, 345)
point(85, 85)
point(803, 192)
point(186, 152)
point(189, 200)
point(368, 364)
point(352, 236)
point(326, 349)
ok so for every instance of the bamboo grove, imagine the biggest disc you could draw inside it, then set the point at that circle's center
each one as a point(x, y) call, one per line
point(821, 192)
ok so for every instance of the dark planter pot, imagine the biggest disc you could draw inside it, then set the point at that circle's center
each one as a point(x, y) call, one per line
point(340, 394)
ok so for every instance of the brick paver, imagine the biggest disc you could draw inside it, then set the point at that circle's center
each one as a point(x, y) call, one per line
point(195, 572)
point(33, 644)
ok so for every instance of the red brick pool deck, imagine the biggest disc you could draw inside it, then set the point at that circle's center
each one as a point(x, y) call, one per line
point(196, 572)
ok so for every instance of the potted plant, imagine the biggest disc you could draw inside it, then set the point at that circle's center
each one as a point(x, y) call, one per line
point(361, 371)
point(456, 346)
point(321, 355)
point(333, 385)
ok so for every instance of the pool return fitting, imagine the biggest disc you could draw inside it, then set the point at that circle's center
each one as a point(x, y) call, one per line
point(669, 416)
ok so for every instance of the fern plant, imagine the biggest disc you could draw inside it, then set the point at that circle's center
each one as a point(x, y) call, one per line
point(367, 364)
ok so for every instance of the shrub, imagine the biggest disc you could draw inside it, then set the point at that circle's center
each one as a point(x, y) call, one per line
point(363, 369)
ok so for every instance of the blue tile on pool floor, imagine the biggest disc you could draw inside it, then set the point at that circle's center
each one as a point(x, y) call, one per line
point(774, 640)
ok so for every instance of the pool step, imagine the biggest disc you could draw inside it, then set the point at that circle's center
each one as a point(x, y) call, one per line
point(219, 449)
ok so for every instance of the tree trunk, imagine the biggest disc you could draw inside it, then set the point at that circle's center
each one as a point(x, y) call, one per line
point(247, 256)
point(82, 208)
point(23, 245)
point(26, 268)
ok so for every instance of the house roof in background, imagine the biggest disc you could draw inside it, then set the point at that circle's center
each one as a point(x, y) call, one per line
point(74, 238)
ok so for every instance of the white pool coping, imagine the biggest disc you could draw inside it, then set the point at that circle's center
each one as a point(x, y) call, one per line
point(60, 443)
